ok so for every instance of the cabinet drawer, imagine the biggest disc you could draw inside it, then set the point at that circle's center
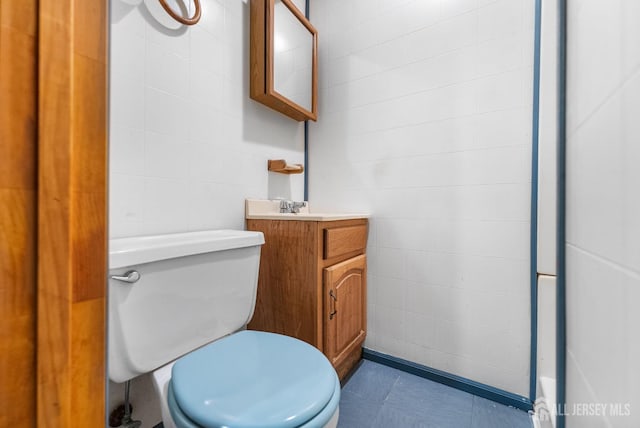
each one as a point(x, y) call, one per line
point(344, 240)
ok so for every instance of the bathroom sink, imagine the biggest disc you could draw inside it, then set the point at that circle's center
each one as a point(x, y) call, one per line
point(261, 209)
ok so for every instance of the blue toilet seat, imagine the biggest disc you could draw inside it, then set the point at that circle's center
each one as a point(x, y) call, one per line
point(253, 380)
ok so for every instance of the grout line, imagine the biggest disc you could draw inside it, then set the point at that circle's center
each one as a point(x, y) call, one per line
point(428, 58)
point(410, 125)
point(436, 88)
point(635, 274)
point(614, 92)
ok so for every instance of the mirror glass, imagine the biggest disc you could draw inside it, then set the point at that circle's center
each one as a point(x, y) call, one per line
point(292, 57)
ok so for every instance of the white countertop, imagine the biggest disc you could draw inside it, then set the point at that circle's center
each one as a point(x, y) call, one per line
point(263, 209)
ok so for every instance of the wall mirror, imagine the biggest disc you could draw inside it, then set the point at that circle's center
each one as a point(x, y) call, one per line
point(283, 59)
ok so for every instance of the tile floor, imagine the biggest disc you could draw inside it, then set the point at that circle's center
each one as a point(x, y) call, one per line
point(377, 396)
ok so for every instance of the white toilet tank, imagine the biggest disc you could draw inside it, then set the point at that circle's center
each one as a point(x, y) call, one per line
point(193, 288)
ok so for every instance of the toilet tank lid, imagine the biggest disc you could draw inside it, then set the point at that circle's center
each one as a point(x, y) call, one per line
point(145, 249)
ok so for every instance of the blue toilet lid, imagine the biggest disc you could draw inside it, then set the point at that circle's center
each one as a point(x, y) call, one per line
point(253, 379)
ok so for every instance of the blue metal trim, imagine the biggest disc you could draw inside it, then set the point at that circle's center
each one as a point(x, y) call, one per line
point(561, 322)
point(306, 133)
point(306, 160)
point(458, 382)
point(534, 205)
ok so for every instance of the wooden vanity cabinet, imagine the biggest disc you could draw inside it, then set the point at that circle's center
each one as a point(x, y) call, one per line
point(313, 285)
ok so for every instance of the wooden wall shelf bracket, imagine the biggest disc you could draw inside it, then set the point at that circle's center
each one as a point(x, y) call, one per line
point(281, 166)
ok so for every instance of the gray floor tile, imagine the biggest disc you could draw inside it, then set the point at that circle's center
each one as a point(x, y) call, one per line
point(487, 414)
point(390, 417)
point(381, 397)
point(356, 412)
point(372, 382)
point(431, 402)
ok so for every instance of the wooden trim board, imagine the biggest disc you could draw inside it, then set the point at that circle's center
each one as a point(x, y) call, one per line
point(18, 210)
point(72, 201)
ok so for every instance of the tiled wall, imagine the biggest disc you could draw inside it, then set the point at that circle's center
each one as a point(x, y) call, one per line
point(425, 121)
point(603, 209)
point(187, 144)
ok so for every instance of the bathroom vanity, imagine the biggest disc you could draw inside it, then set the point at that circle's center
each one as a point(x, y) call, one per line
point(312, 281)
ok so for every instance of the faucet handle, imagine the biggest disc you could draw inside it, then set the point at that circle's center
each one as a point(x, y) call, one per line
point(295, 206)
point(285, 206)
point(291, 207)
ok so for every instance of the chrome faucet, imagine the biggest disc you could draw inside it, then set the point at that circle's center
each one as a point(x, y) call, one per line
point(291, 207)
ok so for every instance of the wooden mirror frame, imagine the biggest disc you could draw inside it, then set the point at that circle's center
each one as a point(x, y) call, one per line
point(261, 61)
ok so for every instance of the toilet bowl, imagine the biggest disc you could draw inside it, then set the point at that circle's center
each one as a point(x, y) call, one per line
point(250, 379)
point(178, 305)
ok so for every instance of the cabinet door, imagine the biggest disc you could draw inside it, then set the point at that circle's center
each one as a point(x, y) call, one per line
point(345, 303)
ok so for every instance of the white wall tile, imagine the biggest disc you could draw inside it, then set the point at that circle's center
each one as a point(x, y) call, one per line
point(165, 113)
point(233, 7)
point(392, 263)
point(630, 104)
point(445, 36)
point(546, 326)
point(205, 87)
point(503, 128)
point(503, 18)
point(501, 54)
point(174, 39)
point(420, 329)
point(598, 56)
point(603, 211)
point(597, 166)
point(503, 91)
point(418, 266)
point(165, 71)
point(206, 51)
point(213, 18)
point(456, 7)
point(165, 156)
point(426, 122)
point(547, 141)
point(207, 124)
point(126, 205)
point(126, 157)
point(630, 54)
point(127, 52)
point(390, 293)
point(126, 17)
point(164, 204)
point(126, 100)
point(389, 326)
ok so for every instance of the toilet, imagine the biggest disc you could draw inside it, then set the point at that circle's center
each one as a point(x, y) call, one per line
point(178, 307)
